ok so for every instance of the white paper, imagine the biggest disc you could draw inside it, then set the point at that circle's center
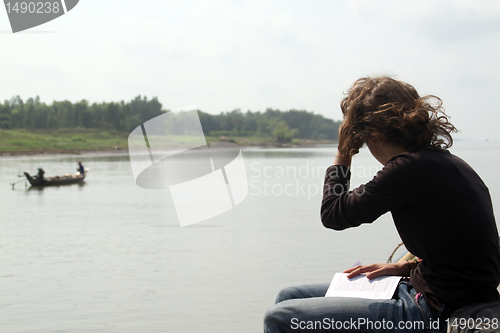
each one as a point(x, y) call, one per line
point(360, 286)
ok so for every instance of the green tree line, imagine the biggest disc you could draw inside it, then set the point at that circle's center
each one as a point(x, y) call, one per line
point(33, 114)
point(283, 125)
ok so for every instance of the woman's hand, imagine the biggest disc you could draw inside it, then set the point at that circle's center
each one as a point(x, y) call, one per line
point(342, 135)
point(375, 270)
point(339, 158)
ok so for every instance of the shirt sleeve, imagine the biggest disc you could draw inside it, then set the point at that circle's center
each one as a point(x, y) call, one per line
point(392, 187)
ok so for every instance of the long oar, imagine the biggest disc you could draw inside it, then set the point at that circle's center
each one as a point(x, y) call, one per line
point(13, 184)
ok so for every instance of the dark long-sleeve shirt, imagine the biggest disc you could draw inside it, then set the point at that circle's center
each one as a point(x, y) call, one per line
point(443, 213)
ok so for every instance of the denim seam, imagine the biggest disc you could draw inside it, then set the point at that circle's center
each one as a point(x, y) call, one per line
point(427, 326)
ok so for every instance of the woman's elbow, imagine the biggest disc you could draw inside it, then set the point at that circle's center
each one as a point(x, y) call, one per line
point(332, 223)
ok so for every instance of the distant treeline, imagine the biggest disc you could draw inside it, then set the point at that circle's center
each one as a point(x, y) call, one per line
point(32, 114)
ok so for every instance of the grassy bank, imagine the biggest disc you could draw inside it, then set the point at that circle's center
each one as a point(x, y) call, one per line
point(80, 140)
point(22, 141)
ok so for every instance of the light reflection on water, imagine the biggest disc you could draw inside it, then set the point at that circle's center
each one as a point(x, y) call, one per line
point(108, 256)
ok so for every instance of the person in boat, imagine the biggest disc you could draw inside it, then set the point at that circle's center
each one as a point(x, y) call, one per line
point(441, 208)
point(40, 175)
point(80, 169)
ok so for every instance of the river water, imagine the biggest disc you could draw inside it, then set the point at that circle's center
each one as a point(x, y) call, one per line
point(108, 256)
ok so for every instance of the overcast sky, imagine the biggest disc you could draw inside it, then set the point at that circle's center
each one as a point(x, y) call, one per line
point(255, 54)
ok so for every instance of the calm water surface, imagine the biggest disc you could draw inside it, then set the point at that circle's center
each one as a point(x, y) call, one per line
point(108, 256)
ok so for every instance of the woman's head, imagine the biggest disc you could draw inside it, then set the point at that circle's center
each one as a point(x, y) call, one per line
point(391, 111)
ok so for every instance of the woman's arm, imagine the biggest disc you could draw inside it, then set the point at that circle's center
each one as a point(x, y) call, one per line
point(394, 186)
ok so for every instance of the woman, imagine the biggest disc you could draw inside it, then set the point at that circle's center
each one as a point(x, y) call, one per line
point(441, 209)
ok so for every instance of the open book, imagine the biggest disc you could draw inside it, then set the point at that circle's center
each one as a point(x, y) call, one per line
point(359, 286)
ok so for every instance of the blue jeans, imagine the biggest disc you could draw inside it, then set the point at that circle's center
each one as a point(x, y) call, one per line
point(305, 309)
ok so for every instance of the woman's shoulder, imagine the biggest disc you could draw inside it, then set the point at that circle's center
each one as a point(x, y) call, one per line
point(423, 156)
point(421, 160)
point(427, 161)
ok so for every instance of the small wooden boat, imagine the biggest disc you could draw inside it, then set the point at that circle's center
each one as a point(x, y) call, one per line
point(57, 180)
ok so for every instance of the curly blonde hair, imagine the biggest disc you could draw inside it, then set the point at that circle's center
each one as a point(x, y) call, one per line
point(392, 111)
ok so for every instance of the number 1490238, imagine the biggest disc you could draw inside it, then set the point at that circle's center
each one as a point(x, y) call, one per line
point(473, 323)
point(33, 7)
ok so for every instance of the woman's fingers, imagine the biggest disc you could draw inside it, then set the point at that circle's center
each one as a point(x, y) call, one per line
point(356, 270)
point(372, 271)
point(351, 269)
point(377, 273)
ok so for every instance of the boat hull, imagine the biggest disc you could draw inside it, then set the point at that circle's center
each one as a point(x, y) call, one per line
point(53, 181)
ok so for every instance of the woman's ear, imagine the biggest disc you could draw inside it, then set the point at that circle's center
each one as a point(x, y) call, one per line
point(375, 138)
